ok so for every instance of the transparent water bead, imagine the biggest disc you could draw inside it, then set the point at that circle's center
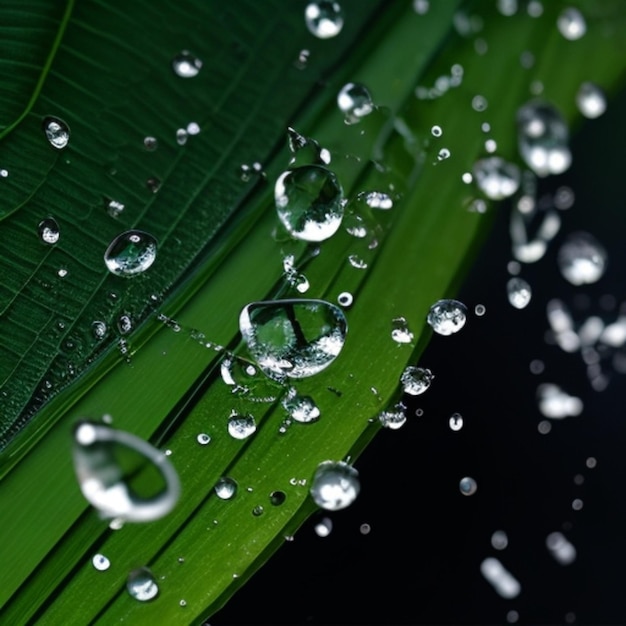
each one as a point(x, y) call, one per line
point(416, 380)
point(571, 24)
point(556, 403)
point(241, 426)
point(543, 138)
point(306, 151)
point(393, 419)
point(203, 439)
point(582, 259)
point(123, 476)
point(98, 329)
point(48, 230)
point(455, 422)
point(225, 488)
point(186, 65)
point(590, 100)
point(293, 338)
point(496, 178)
point(335, 485)
point(131, 253)
point(499, 540)
point(355, 102)
point(447, 317)
point(373, 200)
point(113, 207)
point(518, 292)
point(324, 19)
point(142, 585)
point(57, 132)
point(436, 131)
point(468, 486)
point(324, 527)
point(309, 201)
point(300, 408)
point(100, 562)
point(400, 332)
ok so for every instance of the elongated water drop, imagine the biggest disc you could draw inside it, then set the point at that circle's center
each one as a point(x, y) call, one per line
point(416, 380)
point(519, 292)
point(504, 583)
point(131, 253)
point(309, 202)
point(293, 338)
point(324, 18)
point(355, 102)
point(123, 476)
point(186, 65)
point(48, 230)
point(447, 317)
point(496, 178)
point(335, 485)
point(57, 132)
point(582, 259)
point(142, 585)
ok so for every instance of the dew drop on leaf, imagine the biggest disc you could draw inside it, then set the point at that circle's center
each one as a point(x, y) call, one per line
point(49, 231)
point(447, 317)
point(503, 582)
point(355, 102)
point(324, 18)
point(392, 419)
point(98, 329)
point(416, 380)
point(130, 253)
point(496, 178)
point(571, 24)
point(57, 132)
point(300, 408)
point(400, 331)
point(225, 488)
point(203, 439)
point(142, 585)
point(335, 485)
point(324, 527)
point(100, 562)
point(499, 540)
point(241, 426)
point(186, 65)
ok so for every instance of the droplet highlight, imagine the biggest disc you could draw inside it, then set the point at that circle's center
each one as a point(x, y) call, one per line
point(496, 178)
point(57, 132)
point(324, 19)
point(49, 231)
point(416, 380)
point(518, 292)
point(355, 102)
point(582, 259)
point(131, 253)
point(142, 585)
point(335, 485)
point(447, 317)
point(186, 64)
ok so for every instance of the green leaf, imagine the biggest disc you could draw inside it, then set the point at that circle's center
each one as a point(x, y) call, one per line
point(105, 69)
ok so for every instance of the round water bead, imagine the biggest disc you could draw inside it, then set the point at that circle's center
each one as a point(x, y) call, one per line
point(241, 426)
point(455, 422)
point(590, 100)
point(355, 102)
point(324, 18)
point(48, 230)
point(467, 486)
point(582, 259)
point(57, 132)
point(518, 292)
point(142, 585)
point(131, 253)
point(309, 201)
point(225, 488)
point(571, 24)
point(496, 178)
point(186, 65)
point(335, 485)
point(100, 562)
point(203, 439)
point(392, 419)
point(447, 317)
point(300, 408)
point(416, 380)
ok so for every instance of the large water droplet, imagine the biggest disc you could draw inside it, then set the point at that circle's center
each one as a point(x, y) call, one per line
point(416, 380)
point(226, 488)
point(324, 19)
point(582, 259)
point(309, 202)
point(468, 486)
point(186, 65)
point(300, 408)
point(543, 138)
point(130, 253)
point(294, 338)
point(447, 317)
point(590, 100)
point(400, 331)
point(100, 562)
point(57, 132)
point(355, 102)
point(48, 230)
point(142, 585)
point(335, 485)
point(571, 24)
point(241, 426)
point(496, 178)
point(518, 292)
point(123, 476)
point(504, 583)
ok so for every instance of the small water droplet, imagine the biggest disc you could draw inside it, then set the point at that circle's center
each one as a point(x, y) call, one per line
point(309, 202)
point(277, 498)
point(130, 253)
point(300, 408)
point(100, 562)
point(480, 310)
point(479, 103)
point(324, 18)
point(153, 184)
point(421, 7)
point(225, 488)
point(582, 259)
point(590, 100)
point(468, 486)
point(335, 485)
point(303, 59)
point(306, 151)
point(535, 8)
point(447, 317)
point(98, 329)
point(241, 426)
point(142, 585)
point(499, 540)
point(203, 439)
point(455, 422)
point(393, 419)
point(496, 178)
point(355, 102)
point(183, 603)
point(436, 131)
point(186, 65)
point(57, 132)
point(556, 403)
point(571, 24)
point(345, 299)
point(357, 262)
point(443, 154)
point(181, 136)
point(400, 332)
point(519, 292)
point(561, 548)
point(150, 143)
point(324, 527)
point(416, 380)
point(258, 510)
point(500, 578)
point(113, 207)
point(124, 324)
point(48, 230)
point(3, 173)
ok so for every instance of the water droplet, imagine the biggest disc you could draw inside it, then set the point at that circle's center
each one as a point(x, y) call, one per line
point(203, 439)
point(309, 202)
point(374, 200)
point(556, 403)
point(183, 603)
point(436, 131)
point(324, 527)
point(277, 498)
point(324, 19)
point(393, 419)
point(479, 103)
point(357, 262)
point(130, 253)
point(294, 338)
point(57, 132)
point(300, 408)
point(500, 578)
point(577, 504)
point(153, 184)
point(303, 59)
point(535, 8)
point(416, 380)
point(48, 230)
point(447, 317)
point(468, 486)
point(181, 136)
point(455, 422)
point(571, 24)
point(306, 151)
point(499, 540)
point(335, 485)
point(345, 299)
point(480, 310)
point(123, 476)
point(590, 100)
point(560, 548)
point(443, 154)
point(150, 143)
point(241, 426)
point(518, 292)
point(225, 488)
point(113, 207)
point(258, 510)
point(3, 173)
point(582, 259)
point(355, 102)
point(543, 138)
point(142, 585)
point(124, 324)
point(496, 178)
point(400, 332)
point(98, 329)
point(100, 562)
point(421, 7)
point(186, 65)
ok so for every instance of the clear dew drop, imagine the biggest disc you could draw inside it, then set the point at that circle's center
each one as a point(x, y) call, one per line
point(305, 150)
point(400, 331)
point(241, 426)
point(203, 439)
point(57, 132)
point(225, 488)
point(335, 485)
point(436, 131)
point(142, 585)
point(124, 324)
point(393, 419)
point(113, 207)
point(293, 338)
point(355, 102)
point(503, 582)
point(309, 202)
point(186, 65)
point(590, 100)
point(571, 24)
point(543, 138)
point(181, 136)
point(98, 329)
point(48, 230)
point(468, 486)
point(345, 299)
point(300, 408)
point(100, 562)
point(455, 422)
point(582, 259)
point(518, 292)
point(496, 178)
point(447, 317)
point(150, 143)
point(123, 476)
point(324, 527)
point(499, 540)
point(131, 253)
point(443, 154)
point(416, 380)
point(277, 498)
point(324, 18)
point(373, 200)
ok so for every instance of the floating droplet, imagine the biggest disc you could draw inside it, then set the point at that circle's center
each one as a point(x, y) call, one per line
point(499, 540)
point(303, 59)
point(500, 578)
point(355, 102)
point(124, 324)
point(294, 338)
point(590, 100)
point(123, 476)
point(186, 65)
point(150, 143)
point(468, 486)
point(300, 408)
point(571, 24)
point(392, 419)
point(518, 292)
point(48, 230)
point(153, 184)
point(203, 439)
point(306, 151)
point(556, 403)
point(241, 426)
point(142, 585)
point(496, 178)
point(447, 317)
point(582, 259)
point(335, 485)
point(479, 103)
point(480, 310)
point(560, 548)
point(309, 202)
point(324, 527)
point(100, 562)
point(455, 422)
point(130, 253)
point(400, 332)
point(57, 132)
point(225, 488)
point(324, 19)
point(416, 380)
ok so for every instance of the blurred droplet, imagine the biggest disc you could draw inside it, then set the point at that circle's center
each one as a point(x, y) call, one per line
point(335, 485)
point(324, 18)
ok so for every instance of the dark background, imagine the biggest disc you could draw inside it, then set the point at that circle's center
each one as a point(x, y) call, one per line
point(420, 562)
